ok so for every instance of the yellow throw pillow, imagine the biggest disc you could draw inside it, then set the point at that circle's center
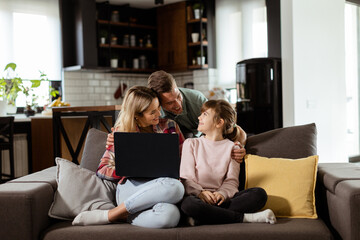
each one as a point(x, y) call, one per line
point(289, 183)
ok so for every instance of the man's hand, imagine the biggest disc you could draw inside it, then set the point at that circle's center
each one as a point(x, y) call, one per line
point(208, 197)
point(219, 198)
point(110, 139)
point(238, 152)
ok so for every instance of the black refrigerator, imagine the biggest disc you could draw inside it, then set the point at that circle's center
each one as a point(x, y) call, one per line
point(259, 94)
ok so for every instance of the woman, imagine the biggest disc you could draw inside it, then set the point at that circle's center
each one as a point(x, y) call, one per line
point(145, 203)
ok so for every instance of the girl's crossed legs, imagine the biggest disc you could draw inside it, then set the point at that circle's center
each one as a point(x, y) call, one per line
point(241, 208)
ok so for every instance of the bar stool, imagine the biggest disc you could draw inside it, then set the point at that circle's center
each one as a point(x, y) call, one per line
point(7, 143)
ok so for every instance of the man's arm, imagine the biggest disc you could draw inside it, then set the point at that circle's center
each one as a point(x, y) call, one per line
point(238, 153)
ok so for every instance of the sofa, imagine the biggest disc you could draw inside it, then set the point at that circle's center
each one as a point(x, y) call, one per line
point(25, 202)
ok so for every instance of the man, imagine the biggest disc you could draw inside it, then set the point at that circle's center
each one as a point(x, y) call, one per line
point(184, 106)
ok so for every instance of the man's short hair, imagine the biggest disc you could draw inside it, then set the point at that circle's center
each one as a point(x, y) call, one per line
point(161, 82)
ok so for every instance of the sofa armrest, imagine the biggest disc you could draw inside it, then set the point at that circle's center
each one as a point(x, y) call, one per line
point(24, 205)
point(339, 192)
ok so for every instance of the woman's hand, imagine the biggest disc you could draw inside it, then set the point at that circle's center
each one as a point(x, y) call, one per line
point(238, 152)
point(110, 139)
point(219, 198)
point(208, 197)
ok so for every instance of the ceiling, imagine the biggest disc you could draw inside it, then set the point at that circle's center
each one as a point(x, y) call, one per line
point(140, 3)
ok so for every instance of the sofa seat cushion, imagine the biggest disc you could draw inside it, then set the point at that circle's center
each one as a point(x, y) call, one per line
point(331, 174)
point(285, 229)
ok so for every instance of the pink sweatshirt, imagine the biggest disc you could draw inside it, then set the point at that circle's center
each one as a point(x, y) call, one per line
point(207, 165)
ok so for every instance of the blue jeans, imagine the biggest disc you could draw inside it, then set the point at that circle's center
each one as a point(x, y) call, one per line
point(151, 203)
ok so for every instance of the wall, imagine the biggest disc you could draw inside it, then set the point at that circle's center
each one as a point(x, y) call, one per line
point(93, 88)
point(313, 63)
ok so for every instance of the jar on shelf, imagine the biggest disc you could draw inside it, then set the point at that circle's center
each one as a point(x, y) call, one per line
point(126, 40)
point(148, 41)
point(113, 40)
point(141, 42)
point(132, 40)
point(142, 59)
point(136, 63)
point(115, 16)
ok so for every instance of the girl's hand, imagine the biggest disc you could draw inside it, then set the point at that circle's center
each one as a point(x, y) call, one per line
point(219, 198)
point(238, 152)
point(110, 139)
point(208, 197)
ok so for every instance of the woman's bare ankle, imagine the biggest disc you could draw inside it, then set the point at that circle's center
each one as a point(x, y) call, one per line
point(118, 214)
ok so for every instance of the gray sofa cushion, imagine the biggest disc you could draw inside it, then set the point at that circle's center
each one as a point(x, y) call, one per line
point(47, 175)
point(330, 174)
point(94, 149)
point(285, 229)
point(290, 142)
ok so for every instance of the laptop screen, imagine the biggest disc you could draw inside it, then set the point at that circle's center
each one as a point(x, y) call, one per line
point(146, 155)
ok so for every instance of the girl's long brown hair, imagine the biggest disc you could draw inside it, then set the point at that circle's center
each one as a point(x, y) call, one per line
point(223, 110)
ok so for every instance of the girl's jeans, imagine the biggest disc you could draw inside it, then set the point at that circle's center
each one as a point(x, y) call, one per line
point(151, 203)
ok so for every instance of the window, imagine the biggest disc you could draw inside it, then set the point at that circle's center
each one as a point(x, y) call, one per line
point(352, 50)
point(241, 33)
point(32, 30)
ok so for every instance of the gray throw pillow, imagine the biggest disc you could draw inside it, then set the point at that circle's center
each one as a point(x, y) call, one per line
point(79, 190)
point(94, 149)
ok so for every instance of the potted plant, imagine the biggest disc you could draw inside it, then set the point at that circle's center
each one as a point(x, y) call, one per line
point(11, 85)
point(200, 59)
point(114, 62)
point(103, 36)
point(198, 9)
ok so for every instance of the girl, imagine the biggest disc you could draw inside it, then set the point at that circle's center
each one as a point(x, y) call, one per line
point(146, 203)
point(211, 177)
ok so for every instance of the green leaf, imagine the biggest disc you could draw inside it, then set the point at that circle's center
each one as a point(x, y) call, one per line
point(10, 65)
point(35, 83)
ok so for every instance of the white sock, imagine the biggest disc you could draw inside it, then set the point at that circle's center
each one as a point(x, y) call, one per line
point(94, 217)
point(266, 216)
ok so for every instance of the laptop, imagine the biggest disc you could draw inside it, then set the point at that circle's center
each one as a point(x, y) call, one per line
point(146, 155)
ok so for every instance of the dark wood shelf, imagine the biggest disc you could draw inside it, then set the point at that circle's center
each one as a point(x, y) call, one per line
point(204, 20)
point(192, 44)
point(127, 47)
point(126, 24)
point(205, 66)
point(135, 70)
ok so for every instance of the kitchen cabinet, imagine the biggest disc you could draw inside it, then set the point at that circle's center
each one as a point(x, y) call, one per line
point(172, 37)
point(197, 43)
point(126, 38)
point(200, 34)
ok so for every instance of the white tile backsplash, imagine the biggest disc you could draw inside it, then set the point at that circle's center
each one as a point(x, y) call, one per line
point(97, 89)
point(94, 83)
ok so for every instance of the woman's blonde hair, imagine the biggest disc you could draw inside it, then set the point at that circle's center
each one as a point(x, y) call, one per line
point(137, 100)
point(223, 110)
